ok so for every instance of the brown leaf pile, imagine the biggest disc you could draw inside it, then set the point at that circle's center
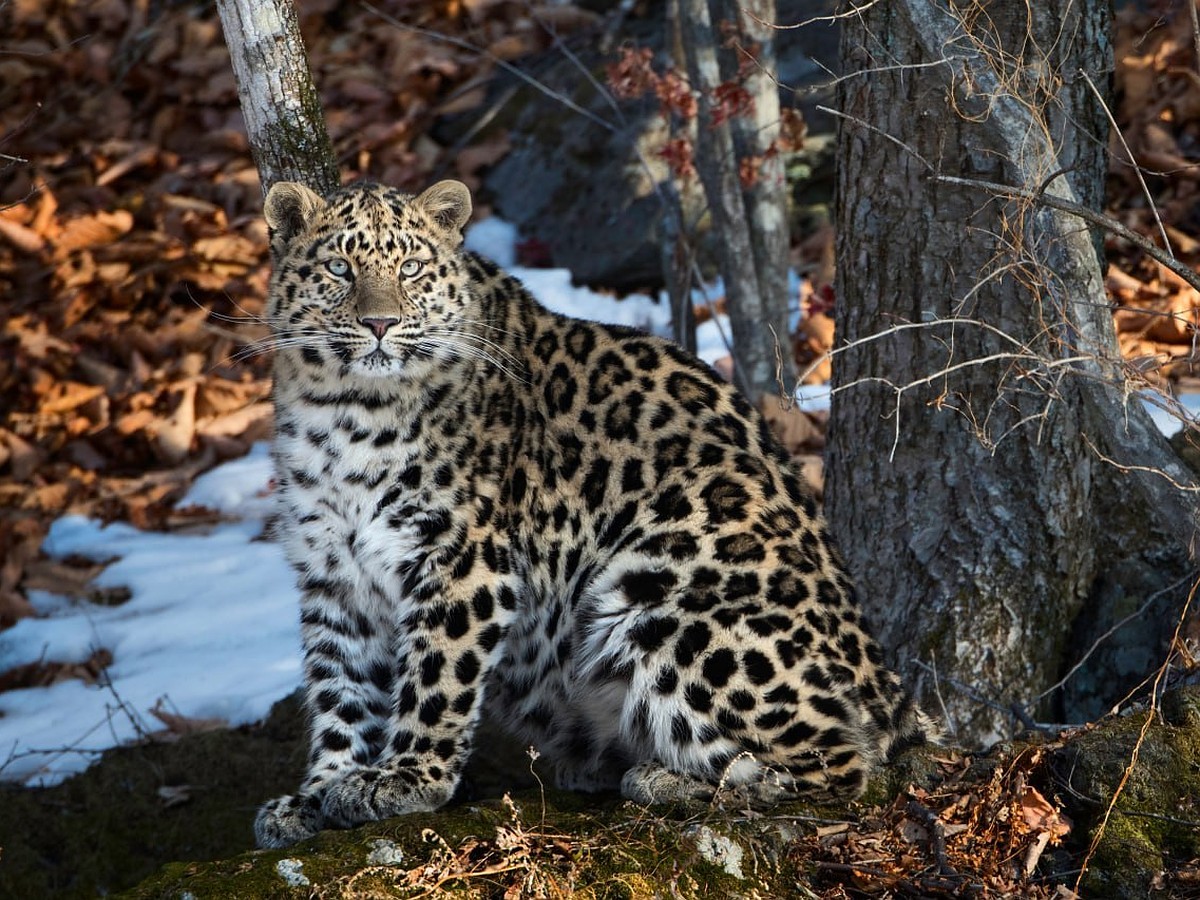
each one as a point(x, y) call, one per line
point(1158, 108)
point(979, 834)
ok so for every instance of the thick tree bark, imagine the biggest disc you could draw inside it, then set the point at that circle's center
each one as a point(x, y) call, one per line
point(754, 269)
point(979, 380)
point(284, 120)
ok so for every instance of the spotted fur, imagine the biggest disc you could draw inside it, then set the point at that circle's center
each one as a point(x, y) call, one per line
point(578, 525)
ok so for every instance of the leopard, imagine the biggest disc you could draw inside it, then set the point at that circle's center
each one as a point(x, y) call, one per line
point(576, 529)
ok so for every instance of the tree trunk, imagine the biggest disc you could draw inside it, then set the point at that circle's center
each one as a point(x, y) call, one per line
point(978, 379)
point(755, 136)
point(678, 239)
point(756, 302)
point(284, 120)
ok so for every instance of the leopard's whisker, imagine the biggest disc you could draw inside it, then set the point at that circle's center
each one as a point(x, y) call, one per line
point(467, 335)
point(471, 336)
point(479, 323)
point(472, 352)
point(469, 351)
point(278, 342)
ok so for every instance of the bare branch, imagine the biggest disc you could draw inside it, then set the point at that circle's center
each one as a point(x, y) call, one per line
point(1137, 170)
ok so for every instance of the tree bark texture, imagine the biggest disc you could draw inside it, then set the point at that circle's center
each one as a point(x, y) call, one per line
point(757, 305)
point(284, 119)
point(977, 375)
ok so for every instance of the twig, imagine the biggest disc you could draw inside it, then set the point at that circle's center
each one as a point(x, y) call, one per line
point(504, 64)
point(811, 20)
point(883, 134)
point(947, 719)
point(937, 834)
point(1012, 709)
point(1139, 814)
point(1023, 717)
point(1152, 470)
point(1088, 215)
point(1137, 170)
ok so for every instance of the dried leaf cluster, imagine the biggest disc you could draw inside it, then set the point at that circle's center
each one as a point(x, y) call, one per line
point(133, 269)
point(1154, 189)
point(980, 833)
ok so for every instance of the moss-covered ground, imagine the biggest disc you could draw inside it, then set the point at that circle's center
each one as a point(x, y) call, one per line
point(116, 823)
point(173, 821)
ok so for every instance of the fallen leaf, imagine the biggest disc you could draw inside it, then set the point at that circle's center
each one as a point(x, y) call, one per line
point(23, 238)
point(173, 435)
point(23, 457)
point(68, 396)
point(94, 230)
point(50, 672)
point(1040, 815)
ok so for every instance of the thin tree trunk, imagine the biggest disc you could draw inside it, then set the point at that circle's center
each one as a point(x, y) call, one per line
point(961, 469)
point(280, 104)
point(678, 255)
point(754, 138)
point(753, 313)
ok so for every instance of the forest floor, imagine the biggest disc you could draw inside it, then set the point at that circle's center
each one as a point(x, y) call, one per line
point(133, 257)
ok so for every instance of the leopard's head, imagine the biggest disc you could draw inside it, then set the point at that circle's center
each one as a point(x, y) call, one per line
point(369, 279)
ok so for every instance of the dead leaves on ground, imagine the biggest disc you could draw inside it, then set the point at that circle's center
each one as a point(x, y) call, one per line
point(1158, 106)
point(982, 833)
point(49, 672)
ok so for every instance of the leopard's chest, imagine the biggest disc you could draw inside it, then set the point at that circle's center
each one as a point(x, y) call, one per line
point(341, 498)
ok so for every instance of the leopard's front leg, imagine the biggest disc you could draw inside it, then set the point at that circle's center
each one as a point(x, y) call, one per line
point(450, 634)
point(348, 675)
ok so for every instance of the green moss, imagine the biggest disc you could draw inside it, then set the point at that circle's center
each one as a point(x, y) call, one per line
point(1154, 819)
point(108, 829)
point(611, 851)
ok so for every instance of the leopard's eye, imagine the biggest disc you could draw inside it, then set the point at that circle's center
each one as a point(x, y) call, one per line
point(338, 267)
point(411, 267)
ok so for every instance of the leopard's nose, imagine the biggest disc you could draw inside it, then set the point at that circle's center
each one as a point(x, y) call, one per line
point(378, 324)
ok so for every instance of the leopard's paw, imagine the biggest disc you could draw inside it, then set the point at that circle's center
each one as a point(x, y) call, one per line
point(367, 795)
point(285, 820)
point(651, 784)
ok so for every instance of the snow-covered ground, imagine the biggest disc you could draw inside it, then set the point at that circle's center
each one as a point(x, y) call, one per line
point(212, 626)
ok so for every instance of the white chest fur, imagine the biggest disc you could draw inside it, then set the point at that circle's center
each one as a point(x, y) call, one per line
point(340, 516)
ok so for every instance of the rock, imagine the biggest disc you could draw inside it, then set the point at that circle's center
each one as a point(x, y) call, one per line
point(718, 849)
point(1122, 659)
point(1156, 818)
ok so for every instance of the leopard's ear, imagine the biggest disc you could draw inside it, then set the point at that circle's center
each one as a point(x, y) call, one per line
point(288, 209)
point(448, 203)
